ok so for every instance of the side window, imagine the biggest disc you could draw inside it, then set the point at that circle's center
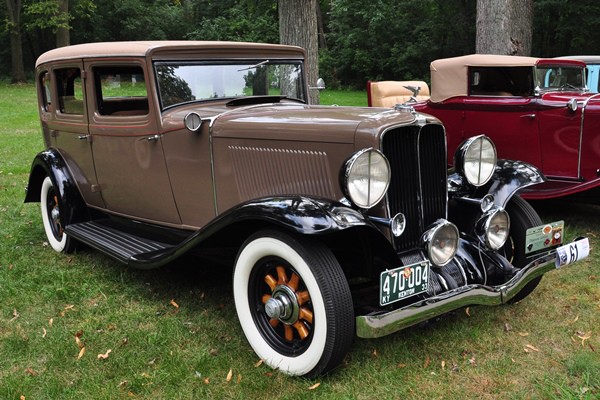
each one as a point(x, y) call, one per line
point(500, 81)
point(70, 91)
point(46, 91)
point(121, 90)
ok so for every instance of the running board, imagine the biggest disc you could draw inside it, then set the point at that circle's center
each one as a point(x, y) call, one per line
point(123, 246)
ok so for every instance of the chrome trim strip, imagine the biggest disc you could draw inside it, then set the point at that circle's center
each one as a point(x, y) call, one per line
point(374, 326)
point(581, 134)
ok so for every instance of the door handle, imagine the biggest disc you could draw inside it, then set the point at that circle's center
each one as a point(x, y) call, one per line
point(153, 138)
point(87, 138)
point(530, 116)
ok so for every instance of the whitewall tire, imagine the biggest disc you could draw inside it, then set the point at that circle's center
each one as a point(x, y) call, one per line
point(293, 303)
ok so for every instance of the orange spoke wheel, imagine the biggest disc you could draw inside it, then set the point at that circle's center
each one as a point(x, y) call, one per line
point(283, 306)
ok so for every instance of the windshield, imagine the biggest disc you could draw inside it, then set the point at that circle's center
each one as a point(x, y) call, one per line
point(182, 82)
point(560, 78)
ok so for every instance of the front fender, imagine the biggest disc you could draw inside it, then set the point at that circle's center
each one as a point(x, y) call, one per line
point(299, 214)
point(509, 177)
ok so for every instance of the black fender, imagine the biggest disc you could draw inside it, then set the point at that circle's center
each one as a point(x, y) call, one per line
point(509, 177)
point(299, 214)
point(50, 163)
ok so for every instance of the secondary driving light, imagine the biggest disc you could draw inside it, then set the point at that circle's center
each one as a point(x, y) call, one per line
point(496, 229)
point(366, 177)
point(476, 159)
point(441, 242)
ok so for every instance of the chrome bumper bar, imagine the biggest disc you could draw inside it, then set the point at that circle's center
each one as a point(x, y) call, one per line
point(373, 326)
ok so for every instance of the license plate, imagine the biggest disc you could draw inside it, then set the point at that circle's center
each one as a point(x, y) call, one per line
point(402, 282)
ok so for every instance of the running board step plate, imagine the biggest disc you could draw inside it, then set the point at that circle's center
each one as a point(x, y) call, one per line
point(116, 243)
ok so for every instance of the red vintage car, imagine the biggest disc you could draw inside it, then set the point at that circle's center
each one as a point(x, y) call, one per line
point(535, 110)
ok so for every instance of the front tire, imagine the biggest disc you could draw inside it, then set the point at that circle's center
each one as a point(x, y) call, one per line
point(51, 204)
point(293, 303)
point(522, 217)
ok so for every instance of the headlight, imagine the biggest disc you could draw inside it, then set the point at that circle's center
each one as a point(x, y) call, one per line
point(496, 226)
point(475, 159)
point(441, 242)
point(366, 177)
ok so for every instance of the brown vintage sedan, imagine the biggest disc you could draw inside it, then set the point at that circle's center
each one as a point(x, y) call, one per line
point(340, 221)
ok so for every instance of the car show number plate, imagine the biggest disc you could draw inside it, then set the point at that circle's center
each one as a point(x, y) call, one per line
point(402, 282)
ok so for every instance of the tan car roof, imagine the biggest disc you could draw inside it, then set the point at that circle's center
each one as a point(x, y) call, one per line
point(449, 75)
point(143, 48)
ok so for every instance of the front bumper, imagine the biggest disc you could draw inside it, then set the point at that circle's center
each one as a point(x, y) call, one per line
point(373, 326)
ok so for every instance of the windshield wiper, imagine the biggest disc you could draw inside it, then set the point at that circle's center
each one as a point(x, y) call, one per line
point(254, 66)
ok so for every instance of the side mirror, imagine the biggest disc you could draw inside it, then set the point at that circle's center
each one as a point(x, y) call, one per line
point(572, 105)
point(320, 85)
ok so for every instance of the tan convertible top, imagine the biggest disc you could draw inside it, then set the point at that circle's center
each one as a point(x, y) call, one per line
point(143, 48)
point(449, 77)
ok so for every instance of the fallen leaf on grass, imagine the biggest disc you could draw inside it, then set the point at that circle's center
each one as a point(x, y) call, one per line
point(77, 340)
point(427, 362)
point(443, 365)
point(374, 353)
point(575, 320)
point(15, 315)
point(44, 334)
point(172, 302)
point(316, 385)
point(206, 381)
point(401, 366)
point(259, 363)
point(583, 337)
point(523, 334)
point(530, 347)
point(507, 327)
point(472, 361)
point(81, 353)
point(67, 308)
point(468, 311)
point(30, 371)
point(229, 375)
point(50, 322)
point(239, 378)
point(105, 355)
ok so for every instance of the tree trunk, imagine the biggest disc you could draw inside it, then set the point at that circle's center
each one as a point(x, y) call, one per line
point(298, 27)
point(63, 35)
point(16, 43)
point(504, 27)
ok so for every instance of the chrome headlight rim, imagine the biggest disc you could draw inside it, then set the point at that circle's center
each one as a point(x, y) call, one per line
point(432, 236)
point(349, 178)
point(495, 235)
point(470, 153)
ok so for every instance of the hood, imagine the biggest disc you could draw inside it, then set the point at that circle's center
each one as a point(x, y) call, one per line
point(299, 122)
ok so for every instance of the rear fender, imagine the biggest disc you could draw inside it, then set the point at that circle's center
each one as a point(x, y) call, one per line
point(50, 163)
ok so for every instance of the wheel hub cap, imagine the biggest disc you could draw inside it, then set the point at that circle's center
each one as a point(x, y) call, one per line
point(283, 305)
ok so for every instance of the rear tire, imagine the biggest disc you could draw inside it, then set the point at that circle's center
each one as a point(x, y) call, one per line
point(52, 217)
point(293, 303)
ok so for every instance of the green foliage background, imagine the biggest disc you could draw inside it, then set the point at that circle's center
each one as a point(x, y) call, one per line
point(378, 39)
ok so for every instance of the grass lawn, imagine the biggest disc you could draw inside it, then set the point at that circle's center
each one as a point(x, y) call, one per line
point(83, 326)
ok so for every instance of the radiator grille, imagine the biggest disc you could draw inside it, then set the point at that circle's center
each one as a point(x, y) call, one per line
point(418, 188)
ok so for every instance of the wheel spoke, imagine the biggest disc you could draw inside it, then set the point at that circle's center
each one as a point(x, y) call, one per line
point(301, 329)
point(289, 333)
point(306, 315)
point(281, 275)
point(266, 298)
point(274, 323)
point(271, 282)
point(294, 282)
point(303, 297)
